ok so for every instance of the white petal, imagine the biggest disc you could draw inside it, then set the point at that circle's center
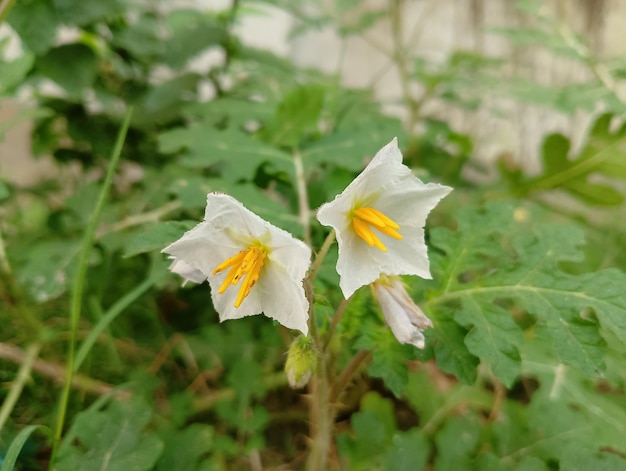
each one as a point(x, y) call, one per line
point(364, 264)
point(382, 172)
point(413, 312)
point(388, 186)
point(409, 202)
point(229, 228)
point(188, 272)
point(203, 248)
point(397, 317)
point(230, 218)
point(276, 294)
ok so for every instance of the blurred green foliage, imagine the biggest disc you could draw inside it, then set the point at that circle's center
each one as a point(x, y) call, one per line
point(524, 368)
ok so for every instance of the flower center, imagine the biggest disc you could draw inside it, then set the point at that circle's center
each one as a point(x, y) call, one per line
point(364, 218)
point(248, 264)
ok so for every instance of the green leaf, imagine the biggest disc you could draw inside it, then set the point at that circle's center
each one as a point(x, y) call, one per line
point(190, 32)
point(604, 154)
point(36, 23)
point(191, 191)
point(4, 191)
point(71, 66)
point(186, 449)
point(452, 355)
point(13, 453)
point(13, 72)
point(408, 452)
point(114, 439)
point(241, 153)
point(374, 427)
point(296, 114)
point(46, 270)
point(456, 443)
point(230, 111)
point(353, 146)
point(158, 237)
point(163, 102)
point(569, 309)
point(82, 12)
point(388, 357)
point(494, 337)
point(141, 38)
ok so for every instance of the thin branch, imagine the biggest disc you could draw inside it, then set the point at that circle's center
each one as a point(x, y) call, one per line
point(57, 373)
point(330, 238)
point(5, 9)
point(16, 387)
point(336, 318)
point(138, 219)
point(348, 373)
point(304, 210)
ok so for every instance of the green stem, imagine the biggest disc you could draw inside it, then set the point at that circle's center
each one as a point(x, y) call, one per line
point(330, 238)
point(348, 372)
point(79, 281)
point(336, 318)
point(110, 315)
point(322, 413)
point(396, 14)
point(303, 198)
point(16, 387)
point(5, 9)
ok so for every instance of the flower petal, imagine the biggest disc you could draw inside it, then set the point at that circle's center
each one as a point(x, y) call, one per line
point(229, 228)
point(188, 272)
point(397, 317)
point(276, 294)
point(364, 264)
point(387, 186)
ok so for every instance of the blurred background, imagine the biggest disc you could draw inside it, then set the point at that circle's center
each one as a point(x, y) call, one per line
point(517, 105)
point(540, 88)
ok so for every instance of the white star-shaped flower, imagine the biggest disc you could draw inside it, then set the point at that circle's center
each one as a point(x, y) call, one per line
point(379, 220)
point(234, 246)
point(406, 320)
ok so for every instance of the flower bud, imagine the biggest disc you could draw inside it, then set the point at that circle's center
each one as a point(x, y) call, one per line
point(301, 362)
point(406, 320)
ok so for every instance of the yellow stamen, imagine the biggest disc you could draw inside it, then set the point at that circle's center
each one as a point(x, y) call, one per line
point(247, 263)
point(364, 217)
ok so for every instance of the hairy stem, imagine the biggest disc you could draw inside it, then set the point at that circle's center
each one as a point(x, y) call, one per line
point(336, 318)
point(330, 238)
point(321, 411)
point(347, 374)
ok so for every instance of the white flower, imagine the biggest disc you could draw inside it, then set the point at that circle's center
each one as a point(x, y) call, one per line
point(379, 220)
point(406, 320)
point(234, 245)
point(188, 272)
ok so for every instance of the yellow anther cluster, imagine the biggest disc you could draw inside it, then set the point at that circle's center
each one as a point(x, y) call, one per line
point(365, 218)
point(248, 264)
